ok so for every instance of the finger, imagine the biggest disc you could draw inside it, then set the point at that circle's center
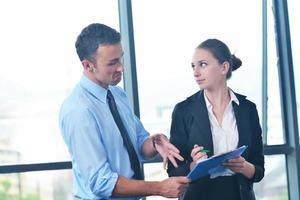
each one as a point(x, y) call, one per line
point(231, 163)
point(172, 160)
point(200, 159)
point(238, 159)
point(234, 165)
point(172, 147)
point(195, 150)
point(199, 155)
point(165, 161)
point(203, 156)
point(183, 179)
point(176, 155)
point(180, 179)
point(237, 163)
point(237, 170)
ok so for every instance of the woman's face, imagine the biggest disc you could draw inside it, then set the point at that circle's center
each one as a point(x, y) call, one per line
point(208, 72)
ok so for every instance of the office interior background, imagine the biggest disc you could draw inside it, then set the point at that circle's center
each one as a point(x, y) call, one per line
point(39, 67)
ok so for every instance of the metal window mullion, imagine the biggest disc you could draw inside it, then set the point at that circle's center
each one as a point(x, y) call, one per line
point(287, 94)
point(264, 71)
point(20, 168)
point(130, 77)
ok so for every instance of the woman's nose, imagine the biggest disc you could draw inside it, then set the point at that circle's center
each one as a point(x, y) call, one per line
point(197, 72)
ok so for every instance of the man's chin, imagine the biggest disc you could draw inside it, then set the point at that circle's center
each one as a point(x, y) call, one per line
point(116, 82)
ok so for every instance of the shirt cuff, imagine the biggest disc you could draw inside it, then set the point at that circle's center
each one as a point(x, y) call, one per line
point(105, 186)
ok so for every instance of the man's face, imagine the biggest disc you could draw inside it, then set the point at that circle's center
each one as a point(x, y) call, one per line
point(108, 66)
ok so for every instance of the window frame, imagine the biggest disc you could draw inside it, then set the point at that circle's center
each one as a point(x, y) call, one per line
point(287, 94)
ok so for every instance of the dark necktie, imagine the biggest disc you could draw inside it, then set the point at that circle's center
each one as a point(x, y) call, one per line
point(134, 161)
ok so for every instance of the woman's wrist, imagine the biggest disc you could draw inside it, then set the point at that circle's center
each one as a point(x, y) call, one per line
point(249, 170)
point(192, 165)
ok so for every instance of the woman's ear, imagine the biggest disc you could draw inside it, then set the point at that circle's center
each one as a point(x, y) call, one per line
point(225, 67)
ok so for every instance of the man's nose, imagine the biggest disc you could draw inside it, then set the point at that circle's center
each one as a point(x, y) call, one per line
point(121, 67)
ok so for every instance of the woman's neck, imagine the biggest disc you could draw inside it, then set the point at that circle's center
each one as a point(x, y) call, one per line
point(219, 97)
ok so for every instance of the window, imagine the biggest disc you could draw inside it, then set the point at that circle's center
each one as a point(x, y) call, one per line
point(50, 185)
point(165, 44)
point(275, 134)
point(164, 48)
point(274, 184)
point(39, 67)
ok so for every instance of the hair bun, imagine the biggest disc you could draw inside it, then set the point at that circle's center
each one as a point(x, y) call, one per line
point(236, 62)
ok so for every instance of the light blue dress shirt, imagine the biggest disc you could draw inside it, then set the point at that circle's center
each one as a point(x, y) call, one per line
point(94, 141)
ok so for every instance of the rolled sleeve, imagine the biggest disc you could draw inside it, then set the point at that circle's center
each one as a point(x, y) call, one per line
point(103, 182)
point(91, 168)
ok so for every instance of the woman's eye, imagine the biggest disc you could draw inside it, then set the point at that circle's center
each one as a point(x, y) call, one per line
point(202, 64)
point(199, 64)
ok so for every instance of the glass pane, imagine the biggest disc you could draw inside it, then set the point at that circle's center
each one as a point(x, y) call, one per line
point(294, 15)
point(274, 184)
point(163, 67)
point(275, 134)
point(44, 185)
point(39, 66)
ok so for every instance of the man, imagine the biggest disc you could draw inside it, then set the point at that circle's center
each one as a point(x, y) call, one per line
point(104, 137)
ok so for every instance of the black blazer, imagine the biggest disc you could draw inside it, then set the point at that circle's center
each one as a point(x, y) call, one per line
point(190, 125)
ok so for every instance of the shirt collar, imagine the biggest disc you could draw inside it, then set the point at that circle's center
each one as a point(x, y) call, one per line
point(233, 98)
point(93, 88)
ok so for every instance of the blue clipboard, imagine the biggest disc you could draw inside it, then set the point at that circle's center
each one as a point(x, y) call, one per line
point(208, 166)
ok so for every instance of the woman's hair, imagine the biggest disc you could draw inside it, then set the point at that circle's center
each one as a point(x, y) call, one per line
point(222, 53)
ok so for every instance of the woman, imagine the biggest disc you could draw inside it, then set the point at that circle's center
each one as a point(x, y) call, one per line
point(219, 120)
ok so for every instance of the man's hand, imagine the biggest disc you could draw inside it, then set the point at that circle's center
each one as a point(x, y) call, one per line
point(167, 150)
point(173, 187)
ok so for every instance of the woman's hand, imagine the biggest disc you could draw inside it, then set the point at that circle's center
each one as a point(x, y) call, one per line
point(197, 155)
point(240, 165)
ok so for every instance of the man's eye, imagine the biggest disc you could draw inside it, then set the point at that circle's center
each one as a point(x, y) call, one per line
point(112, 64)
point(193, 65)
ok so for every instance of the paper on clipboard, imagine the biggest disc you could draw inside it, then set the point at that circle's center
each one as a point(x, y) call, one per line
point(209, 165)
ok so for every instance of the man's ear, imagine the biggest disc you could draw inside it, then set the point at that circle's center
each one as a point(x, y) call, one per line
point(225, 67)
point(87, 65)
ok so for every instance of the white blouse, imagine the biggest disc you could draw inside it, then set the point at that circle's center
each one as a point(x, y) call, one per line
point(225, 136)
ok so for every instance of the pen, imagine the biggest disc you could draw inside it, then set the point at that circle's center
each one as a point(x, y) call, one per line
point(204, 151)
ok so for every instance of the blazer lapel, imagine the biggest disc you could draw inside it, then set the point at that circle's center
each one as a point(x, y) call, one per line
point(201, 119)
point(242, 121)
